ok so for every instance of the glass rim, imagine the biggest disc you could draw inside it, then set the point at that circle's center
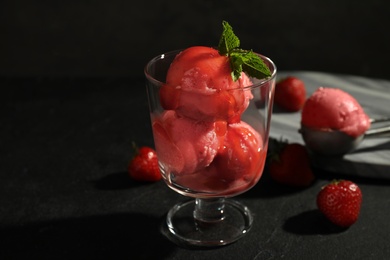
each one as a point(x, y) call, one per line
point(176, 52)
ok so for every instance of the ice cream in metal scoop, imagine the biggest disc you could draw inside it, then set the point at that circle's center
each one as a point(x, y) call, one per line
point(333, 123)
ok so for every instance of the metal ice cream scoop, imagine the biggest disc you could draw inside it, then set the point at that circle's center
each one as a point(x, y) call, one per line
point(337, 143)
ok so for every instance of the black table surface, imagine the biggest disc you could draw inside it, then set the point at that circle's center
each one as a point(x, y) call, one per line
point(65, 194)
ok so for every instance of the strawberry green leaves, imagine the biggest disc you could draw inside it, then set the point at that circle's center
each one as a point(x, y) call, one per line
point(240, 60)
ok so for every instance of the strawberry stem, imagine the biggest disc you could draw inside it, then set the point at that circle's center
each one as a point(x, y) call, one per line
point(135, 147)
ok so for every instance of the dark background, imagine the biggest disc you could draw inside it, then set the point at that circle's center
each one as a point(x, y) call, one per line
point(73, 99)
point(116, 38)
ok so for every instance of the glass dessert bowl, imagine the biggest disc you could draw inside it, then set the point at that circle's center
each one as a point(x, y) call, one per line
point(211, 142)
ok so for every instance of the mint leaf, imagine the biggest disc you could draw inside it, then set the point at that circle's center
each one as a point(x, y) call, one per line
point(236, 63)
point(240, 60)
point(228, 40)
point(254, 66)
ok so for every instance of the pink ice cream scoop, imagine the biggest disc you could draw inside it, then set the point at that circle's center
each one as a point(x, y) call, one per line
point(199, 85)
point(237, 165)
point(241, 156)
point(184, 145)
point(330, 109)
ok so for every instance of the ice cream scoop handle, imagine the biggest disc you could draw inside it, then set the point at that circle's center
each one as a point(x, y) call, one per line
point(378, 132)
point(379, 120)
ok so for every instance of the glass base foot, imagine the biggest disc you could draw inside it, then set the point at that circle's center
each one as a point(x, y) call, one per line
point(189, 225)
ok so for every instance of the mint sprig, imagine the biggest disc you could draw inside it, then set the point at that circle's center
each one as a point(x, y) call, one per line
point(240, 60)
point(228, 41)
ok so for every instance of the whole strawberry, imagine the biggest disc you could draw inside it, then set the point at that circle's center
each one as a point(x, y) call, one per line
point(290, 94)
point(144, 165)
point(340, 202)
point(290, 165)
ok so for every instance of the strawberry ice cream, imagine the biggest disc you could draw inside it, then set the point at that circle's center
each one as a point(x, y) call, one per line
point(185, 145)
point(241, 152)
point(199, 85)
point(237, 165)
point(330, 109)
point(201, 141)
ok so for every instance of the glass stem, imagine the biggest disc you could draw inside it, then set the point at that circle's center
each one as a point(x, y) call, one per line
point(209, 210)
